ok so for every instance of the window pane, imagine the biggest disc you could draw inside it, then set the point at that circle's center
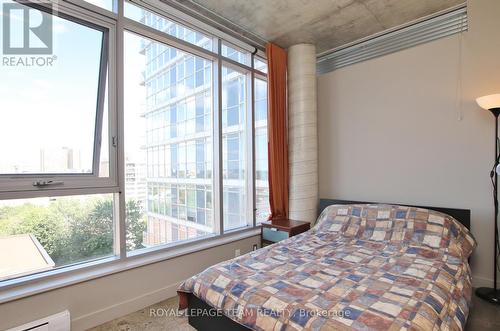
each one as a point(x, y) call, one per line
point(260, 64)
point(261, 154)
point(170, 181)
point(234, 148)
point(104, 163)
point(168, 26)
point(45, 233)
point(106, 4)
point(236, 54)
point(58, 112)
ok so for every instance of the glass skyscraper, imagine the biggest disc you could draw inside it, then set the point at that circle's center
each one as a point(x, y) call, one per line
point(178, 112)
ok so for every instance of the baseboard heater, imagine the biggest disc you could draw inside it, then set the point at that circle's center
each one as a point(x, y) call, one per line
point(57, 322)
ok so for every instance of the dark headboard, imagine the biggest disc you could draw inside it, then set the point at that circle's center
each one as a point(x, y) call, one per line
point(461, 215)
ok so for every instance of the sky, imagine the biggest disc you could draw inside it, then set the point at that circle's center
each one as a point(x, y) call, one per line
point(54, 107)
point(51, 106)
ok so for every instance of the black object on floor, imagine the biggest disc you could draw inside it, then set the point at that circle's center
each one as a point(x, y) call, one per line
point(489, 294)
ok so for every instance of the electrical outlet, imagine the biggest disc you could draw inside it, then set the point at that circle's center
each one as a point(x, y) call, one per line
point(255, 247)
point(237, 252)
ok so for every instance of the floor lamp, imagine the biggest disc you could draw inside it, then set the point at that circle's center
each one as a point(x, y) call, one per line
point(492, 103)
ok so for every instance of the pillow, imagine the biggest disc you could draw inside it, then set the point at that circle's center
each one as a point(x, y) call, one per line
point(398, 225)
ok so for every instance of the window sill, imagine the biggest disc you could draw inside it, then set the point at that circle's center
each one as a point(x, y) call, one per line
point(18, 288)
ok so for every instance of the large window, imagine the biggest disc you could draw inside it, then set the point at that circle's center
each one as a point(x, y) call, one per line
point(138, 136)
point(260, 64)
point(105, 4)
point(168, 125)
point(235, 54)
point(44, 233)
point(261, 152)
point(57, 124)
point(42, 129)
point(234, 118)
point(166, 25)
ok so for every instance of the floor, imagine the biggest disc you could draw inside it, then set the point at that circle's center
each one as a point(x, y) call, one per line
point(483, 317)
point(166, 319)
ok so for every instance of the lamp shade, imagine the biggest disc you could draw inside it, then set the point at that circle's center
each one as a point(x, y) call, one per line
point(489, 101)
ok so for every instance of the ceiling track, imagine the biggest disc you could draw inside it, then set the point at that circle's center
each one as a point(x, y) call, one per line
point(215, 20)
point(425, 30)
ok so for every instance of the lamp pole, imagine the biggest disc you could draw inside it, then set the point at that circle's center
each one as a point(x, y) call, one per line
point(493, 294)
point(495, 112)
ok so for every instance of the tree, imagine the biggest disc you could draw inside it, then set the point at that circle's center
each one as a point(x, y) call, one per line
point(48, 227)
point(91, 236)
point(73, 230)
point(136, 225)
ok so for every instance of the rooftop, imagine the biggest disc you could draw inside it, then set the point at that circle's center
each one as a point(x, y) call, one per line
point(21, 255)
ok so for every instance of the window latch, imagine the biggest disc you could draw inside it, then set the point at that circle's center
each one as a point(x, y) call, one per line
point(44, 183)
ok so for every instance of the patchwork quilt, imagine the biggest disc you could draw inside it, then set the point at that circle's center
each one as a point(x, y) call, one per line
point(361, 267)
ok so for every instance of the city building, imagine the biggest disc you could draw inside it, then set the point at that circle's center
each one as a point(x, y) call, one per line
point(179, 148)
point(135, 180)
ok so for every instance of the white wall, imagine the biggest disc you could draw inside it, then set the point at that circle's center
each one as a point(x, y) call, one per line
point(389, 128)
point(94, 302)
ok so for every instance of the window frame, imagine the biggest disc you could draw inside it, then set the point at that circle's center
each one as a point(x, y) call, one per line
point(249, 75)
point(260, 59)
point(257, 75)
point(22, 185)
point(122, 260)
point(248, 58)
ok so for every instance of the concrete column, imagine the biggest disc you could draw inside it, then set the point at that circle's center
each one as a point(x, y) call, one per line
point(302, 132)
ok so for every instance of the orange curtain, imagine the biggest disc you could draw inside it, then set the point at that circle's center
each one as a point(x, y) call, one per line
point(277, 131)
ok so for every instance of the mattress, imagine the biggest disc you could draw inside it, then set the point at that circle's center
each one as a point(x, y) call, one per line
point(361, 267)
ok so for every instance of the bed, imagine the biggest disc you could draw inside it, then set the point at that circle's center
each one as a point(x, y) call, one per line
point(360, 267)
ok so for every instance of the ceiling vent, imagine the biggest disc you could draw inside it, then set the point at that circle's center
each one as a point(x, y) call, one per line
point(439, 25)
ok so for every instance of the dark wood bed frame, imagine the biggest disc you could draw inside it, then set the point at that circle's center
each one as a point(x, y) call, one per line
point(211, 319)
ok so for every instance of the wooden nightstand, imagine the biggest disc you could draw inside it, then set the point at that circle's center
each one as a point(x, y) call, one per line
point(277, 230)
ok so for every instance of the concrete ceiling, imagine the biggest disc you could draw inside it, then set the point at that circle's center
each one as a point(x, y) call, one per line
point(325, 23)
